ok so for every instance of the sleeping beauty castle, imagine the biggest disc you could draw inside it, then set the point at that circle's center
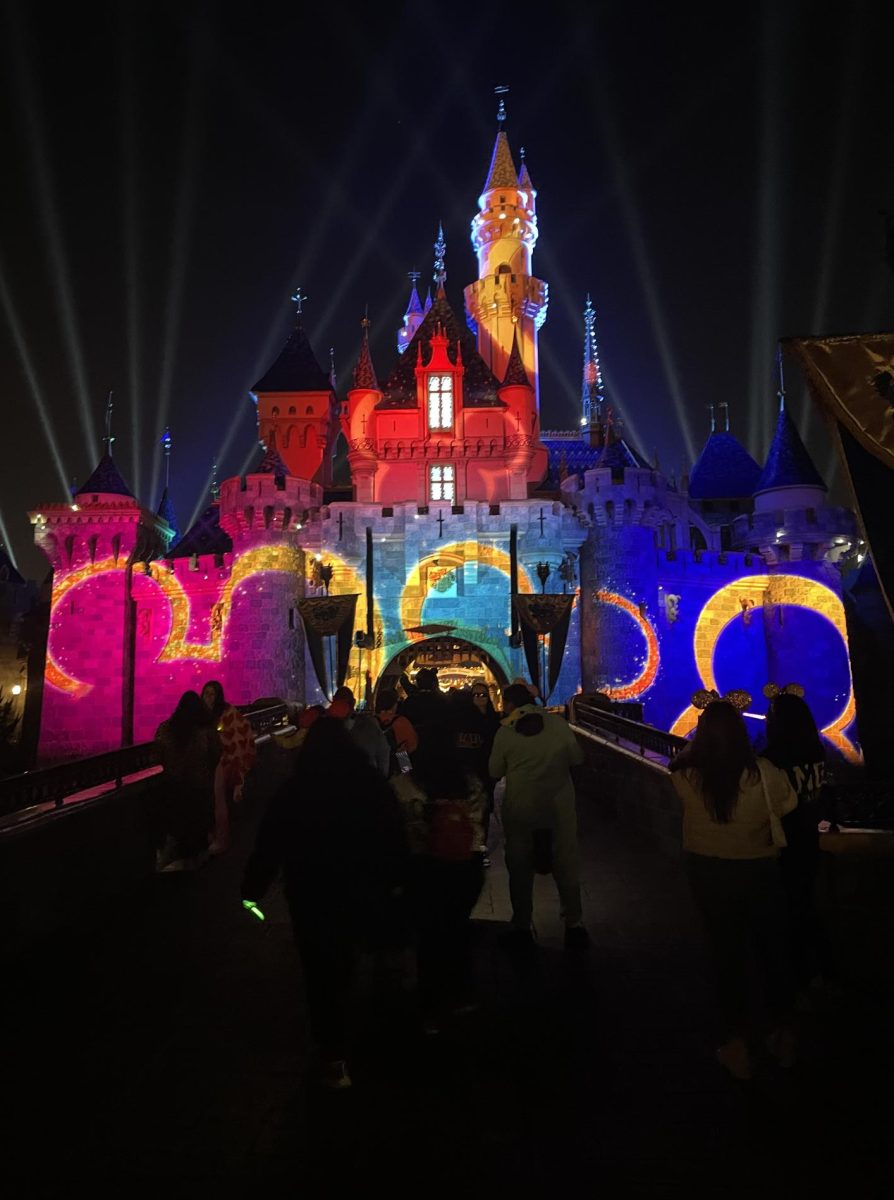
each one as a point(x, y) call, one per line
point(470, 538)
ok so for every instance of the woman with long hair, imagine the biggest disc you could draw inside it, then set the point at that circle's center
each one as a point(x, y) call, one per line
point(444, 807)
point(337, 833)
point(188, 750)
point(794, 745)
point(237, 757)
point(731, 804)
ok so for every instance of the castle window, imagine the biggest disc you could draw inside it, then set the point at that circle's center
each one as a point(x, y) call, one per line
point(440, 401)
point(442, 483)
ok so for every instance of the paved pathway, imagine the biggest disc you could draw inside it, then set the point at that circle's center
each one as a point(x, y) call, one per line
point(167, 1043)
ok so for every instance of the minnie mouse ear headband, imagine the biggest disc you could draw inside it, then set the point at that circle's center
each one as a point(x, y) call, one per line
point(738, 699)
point(772, 690)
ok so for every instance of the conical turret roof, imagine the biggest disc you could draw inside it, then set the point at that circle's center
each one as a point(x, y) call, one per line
point(271, 463)
point(365, 372)
point(167, 513)
point(105, 478)
point(296, 369)
point(524, 175)
point(516, 375)
point(724, 470)
point(502, 171)
point(414, 304)
point(204, 536)
point(788, 463)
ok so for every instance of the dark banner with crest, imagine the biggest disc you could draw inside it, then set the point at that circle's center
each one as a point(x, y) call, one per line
point(542, 616)
point(329, 617)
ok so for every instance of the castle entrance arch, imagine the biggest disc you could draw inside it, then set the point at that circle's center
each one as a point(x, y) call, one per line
point(459, 663)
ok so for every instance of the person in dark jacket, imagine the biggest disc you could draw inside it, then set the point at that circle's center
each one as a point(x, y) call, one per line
point(426, 705)
point(794, 745)
point(188, 749)
point(337, 834)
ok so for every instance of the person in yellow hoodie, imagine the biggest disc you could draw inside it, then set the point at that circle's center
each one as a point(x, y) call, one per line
point(535, 751)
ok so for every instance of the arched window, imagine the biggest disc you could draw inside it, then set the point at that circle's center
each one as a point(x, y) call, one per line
point(310, 410)
point(440, 401)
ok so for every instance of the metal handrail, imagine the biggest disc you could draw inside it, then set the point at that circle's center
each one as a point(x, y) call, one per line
point(635, 733)
point(51, 785)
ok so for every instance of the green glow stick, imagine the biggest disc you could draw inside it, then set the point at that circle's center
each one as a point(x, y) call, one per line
point(251, 907)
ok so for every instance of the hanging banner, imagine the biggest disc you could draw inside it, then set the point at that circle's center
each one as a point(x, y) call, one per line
point(542, 616)
point(328, 616)
point(852, 380)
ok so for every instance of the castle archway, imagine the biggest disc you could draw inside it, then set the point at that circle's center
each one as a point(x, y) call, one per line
point(459, 663)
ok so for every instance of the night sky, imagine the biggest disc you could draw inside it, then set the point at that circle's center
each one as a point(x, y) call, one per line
point(712, 175)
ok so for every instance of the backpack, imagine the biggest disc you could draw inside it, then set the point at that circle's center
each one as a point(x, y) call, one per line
point(450, 832)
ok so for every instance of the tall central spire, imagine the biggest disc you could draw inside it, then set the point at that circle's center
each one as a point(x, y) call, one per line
point(592, 391)
point(506, 300)
point(440, 249)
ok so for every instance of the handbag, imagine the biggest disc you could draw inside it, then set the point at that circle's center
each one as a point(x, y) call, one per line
point(777, 833)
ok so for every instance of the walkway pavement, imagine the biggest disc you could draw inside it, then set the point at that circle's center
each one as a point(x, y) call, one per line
point(167, 1043)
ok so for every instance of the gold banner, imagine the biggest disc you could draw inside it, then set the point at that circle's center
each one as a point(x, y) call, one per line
point(852, 379)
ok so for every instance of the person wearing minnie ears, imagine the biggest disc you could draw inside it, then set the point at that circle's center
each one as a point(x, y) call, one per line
point(733, 804)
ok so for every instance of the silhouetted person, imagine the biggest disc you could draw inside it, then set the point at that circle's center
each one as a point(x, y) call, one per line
point(363, 728)
point(443, 806)
point(794, 745)
point(426, 705)
point(337, 833)
point(238, 753)
point(535, 751)
point(732, 863)
point(188, 750)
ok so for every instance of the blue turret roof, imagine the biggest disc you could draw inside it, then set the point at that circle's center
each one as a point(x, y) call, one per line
point(415, 304)
point(204, 537)
point(619, 454)
point(788, 463)
point(573, 456)
point(296, 369)
point(724, 470)
point(167, 514)
point(106, 478)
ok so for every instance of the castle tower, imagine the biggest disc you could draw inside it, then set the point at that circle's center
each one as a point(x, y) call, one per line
point(91, 544)
point(413, 316)
point(263, 513)
point(506, 295)
point(295, 397)
point(592, 389)
point(357, 420)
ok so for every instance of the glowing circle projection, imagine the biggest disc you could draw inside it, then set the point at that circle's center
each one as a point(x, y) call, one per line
point(636, 687)
point(749, 598)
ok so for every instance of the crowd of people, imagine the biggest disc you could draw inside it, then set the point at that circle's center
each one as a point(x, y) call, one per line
point(404, 796)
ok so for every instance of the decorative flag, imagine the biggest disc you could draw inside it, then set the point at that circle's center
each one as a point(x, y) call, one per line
point(852, 380)
point(329, 616)
point(541, 616)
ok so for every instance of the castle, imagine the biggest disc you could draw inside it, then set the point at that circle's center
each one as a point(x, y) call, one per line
point(459, 502)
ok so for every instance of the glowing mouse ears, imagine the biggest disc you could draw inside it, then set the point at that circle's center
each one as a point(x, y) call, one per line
point(771, 690)
point(738, 699)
